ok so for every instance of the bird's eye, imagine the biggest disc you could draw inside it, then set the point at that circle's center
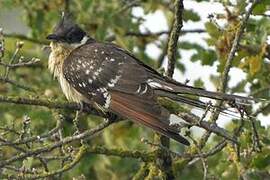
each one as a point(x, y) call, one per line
point(74, 35)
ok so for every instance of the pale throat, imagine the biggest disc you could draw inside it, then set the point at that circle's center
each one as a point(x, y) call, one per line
point(59, 52)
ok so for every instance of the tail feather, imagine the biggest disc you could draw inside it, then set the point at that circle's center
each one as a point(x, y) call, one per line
point(135, 109)
point(182, 99)
point(179, 88)
point(196, 103)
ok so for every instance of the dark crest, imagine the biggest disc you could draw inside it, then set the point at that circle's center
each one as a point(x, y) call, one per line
point(67, 31)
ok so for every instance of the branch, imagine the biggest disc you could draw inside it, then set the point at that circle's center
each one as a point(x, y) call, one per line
point(47, 103)
point(86, 134)
point(154, 34)
point(144, 156)
point(35, 138)
point(9, 81)
point(235, 46)
point(30, 63)
point(174, 36)
point(225, 74)
point(217, 148)
point(67, 167)
point(208, 126)
point(194, 120)
point(96, 150)
point(26, 38)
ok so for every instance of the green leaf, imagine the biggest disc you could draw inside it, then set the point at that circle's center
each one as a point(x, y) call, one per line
point(212, 30)
point(259, 9)
point(254, 64)
point(239, 87)
point(180, 66)
point(207, 57)
point(265, 140)
point(262, 160)
point(191, 15)
point(199, 83)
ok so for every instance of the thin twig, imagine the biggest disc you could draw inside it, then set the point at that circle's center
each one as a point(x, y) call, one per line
point(210, 127)
point(12, 59)
point(14, 83)
point(149, 34)
point(26, 38)
point(75, 161)
point(86, 134)
point(35, 138)
point(32, 62)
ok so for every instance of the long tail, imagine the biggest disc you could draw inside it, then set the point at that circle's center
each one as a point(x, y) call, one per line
point(146, 112)
point(225, 111)
point(178, 88)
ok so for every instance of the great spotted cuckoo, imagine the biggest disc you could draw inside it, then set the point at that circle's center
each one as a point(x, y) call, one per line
point(113, 79)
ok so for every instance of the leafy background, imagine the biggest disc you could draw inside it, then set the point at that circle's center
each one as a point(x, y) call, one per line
point(114, 20)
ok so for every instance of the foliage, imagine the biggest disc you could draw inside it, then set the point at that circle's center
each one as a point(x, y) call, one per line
point(117, 152)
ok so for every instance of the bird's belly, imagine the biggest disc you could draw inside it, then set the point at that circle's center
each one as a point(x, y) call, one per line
point(70, 93)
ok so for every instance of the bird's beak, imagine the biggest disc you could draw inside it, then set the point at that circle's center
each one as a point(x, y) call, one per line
point(52, 37)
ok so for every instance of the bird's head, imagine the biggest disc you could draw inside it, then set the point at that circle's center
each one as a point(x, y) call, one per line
point(67, 32)
point(65, 37)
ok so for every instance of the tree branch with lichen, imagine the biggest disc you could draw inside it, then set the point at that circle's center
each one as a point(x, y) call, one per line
point(225, 74)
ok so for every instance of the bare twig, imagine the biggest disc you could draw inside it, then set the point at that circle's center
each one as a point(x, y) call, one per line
point(210, 127)
point(26, 38)
point(19, 45)
point(155, 34)
point(14, 83)
point(32, 62)
point(194, 120)
point(76, 159)
point(35, 138)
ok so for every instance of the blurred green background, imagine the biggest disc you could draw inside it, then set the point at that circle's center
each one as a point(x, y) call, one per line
point(123, 21)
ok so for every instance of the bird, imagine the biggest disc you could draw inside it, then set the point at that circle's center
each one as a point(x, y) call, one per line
point(113, 79)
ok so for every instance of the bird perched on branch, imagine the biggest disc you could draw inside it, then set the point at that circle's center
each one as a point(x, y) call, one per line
point(111, 78)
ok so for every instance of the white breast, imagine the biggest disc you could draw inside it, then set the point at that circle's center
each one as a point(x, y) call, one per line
point(56, 60)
